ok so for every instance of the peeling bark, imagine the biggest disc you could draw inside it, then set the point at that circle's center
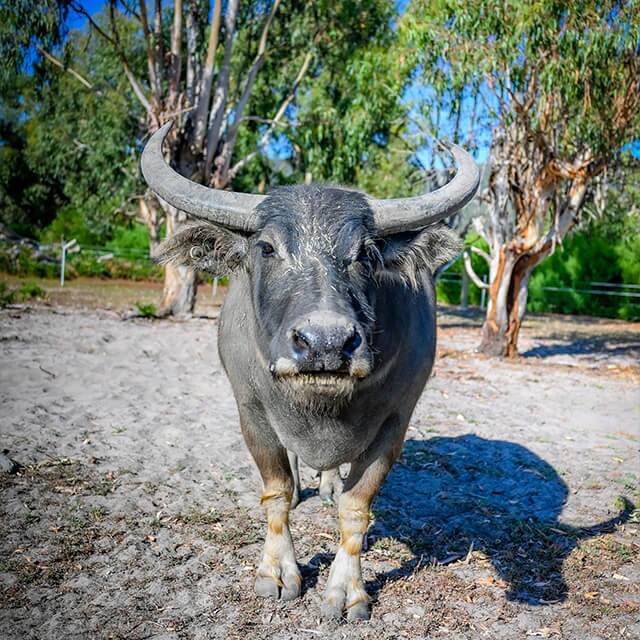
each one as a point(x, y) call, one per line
point(152, 219)
point(180, 284)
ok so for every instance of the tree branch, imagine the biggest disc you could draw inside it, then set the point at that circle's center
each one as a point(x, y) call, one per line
point(151, 64)
point(207, 78)
point(51, 58)
point(246, 91)
point(135, 85)
point(193, 61)
point(176, 58)
point(253, 71)
point(483, 254)
point(222, 90)
point(131, 10)
point(276, 119)
point(466, 257)
point(158, 52)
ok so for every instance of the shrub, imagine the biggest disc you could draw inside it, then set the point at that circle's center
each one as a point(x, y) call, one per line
point(30, 291)
point(146, 309)
point(7, 296)
point(26, 291)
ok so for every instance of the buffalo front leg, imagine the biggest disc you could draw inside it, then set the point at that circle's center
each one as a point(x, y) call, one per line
point(345, 588)
point(278, 574)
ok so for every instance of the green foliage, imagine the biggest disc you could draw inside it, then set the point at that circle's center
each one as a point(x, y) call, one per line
point(587, 257)
point(69, 223)
point(575, 59)
point(30, 291)
point(348, 103)
point(7, 295)
point(88, 265)
point(66, 149)
point(22, 262)
point(591, 255)
point(146, 310)
point(25, 292)
point(28, 198)
point(132, 239)
point(23, 25)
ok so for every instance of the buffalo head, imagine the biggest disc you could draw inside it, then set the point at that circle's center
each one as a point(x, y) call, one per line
point(314, 256)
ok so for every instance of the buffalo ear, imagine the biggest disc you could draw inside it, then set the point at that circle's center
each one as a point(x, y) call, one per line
point(408, 255)
point(205, 247)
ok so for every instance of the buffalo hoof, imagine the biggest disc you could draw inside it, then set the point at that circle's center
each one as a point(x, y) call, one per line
point(285, 587)
point(359, 611)
point(335, 603)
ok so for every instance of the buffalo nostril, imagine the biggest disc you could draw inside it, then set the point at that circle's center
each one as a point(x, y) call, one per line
point(300, 342)
point(352, 344)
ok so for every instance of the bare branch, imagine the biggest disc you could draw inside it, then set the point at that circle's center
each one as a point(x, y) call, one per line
point(193, 60)
point(276, 119)
point(78, 8)
point(222, 89)
point(151, 64)
point(207, 78)
point(51, 58)
point(135, 85)
point(483, 254)
point(253, 72)
point(137, 89)
point(466, 256)
point(176, 58)
point(158, 52)
point(130, 10)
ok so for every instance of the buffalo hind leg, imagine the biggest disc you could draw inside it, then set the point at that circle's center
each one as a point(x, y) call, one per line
point(330, 486)
point(330, 483)
point(295, 472)
point(278, 574)
point(345, 588)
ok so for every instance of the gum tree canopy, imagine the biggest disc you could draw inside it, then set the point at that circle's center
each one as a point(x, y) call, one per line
point(558, 84)
point(235, 76)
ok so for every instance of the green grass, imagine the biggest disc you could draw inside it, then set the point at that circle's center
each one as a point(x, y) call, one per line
point(146, 309)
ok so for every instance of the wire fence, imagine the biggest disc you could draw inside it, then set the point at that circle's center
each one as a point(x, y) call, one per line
point(613, 291)
point(589, 288)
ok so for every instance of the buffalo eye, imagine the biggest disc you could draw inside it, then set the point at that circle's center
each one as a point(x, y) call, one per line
point(266, 249)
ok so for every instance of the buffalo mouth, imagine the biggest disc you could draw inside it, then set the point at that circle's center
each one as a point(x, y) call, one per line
point(321, 378)
point(319, 392)
point(286, 369)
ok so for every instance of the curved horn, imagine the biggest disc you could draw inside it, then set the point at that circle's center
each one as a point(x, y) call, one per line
point(226, 208)
point(410, 214)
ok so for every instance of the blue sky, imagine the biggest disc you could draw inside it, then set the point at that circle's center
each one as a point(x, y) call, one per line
point(413, 95)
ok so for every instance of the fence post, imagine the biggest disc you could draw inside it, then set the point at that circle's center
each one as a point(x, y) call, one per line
point(65, 248)
point(64, 253)
point(483, 293)
point(214, 287)
point(464, 291)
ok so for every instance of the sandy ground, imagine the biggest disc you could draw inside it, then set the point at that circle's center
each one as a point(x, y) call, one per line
point(135, 513)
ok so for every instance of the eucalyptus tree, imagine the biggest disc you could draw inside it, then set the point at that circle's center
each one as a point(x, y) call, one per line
point(558, 85)
point(229, 76)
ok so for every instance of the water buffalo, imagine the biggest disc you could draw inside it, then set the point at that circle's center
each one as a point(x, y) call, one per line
point(327, 335)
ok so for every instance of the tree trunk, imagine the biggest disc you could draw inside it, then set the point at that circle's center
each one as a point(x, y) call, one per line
point(507, 303)
point(179, 293)
point(149, 215)
point(180, 284)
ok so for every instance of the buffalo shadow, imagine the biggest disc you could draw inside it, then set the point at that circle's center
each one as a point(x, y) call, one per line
point(572, 344)
point(447, 495)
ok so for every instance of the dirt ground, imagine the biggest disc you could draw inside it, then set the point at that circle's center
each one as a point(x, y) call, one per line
point(135, 511)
